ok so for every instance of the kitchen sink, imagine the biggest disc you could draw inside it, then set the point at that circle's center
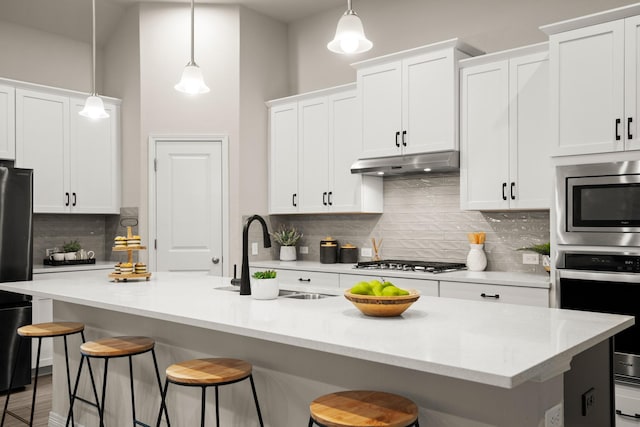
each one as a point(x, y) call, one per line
point(282, 293)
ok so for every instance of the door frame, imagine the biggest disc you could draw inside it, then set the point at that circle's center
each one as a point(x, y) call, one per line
point(153, 142)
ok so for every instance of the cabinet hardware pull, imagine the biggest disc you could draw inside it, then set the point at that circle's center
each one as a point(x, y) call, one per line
point(397, 142)
point(496, 296)
point(617, 130)
point(74, 199)
point(504, 187)
point(629, 135)
point(67, 197)
point(330, 197)
point(513, 186)
point(619, 412)
point(404, 138)
point(293, 199)
point(300, 279)
point(324, 198)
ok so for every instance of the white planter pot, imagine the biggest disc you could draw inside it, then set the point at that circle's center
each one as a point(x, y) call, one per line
point(70, 256)
point(264, 288)
point(287, 253)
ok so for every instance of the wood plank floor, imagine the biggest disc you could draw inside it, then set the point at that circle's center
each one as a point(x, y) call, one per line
point(20, 403)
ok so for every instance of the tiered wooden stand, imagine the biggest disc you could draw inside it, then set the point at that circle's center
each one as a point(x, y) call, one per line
point(129, 249)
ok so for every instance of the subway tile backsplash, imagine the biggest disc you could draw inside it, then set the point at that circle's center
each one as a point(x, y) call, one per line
point(422, 220)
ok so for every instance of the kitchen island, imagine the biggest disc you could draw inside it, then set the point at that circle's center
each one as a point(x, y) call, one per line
point(464, 363)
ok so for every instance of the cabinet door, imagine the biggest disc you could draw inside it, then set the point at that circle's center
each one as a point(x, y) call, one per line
point(632, 84)
point(379, 92)
point(587, 86)
point(495, 293)
point(530, 185)
point(429, 103)
point(313, 146)
point(344, 149)
point(42, 144)
point(7, 123)
point(485, 137)
point(94, 161)
point(627, 405)
point(283, 165)
point(424, 286)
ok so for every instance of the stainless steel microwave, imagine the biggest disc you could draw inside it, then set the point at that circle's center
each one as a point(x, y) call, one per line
point(599, 204)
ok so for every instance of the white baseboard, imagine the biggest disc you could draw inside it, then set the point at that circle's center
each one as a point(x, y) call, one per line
point(55, 420)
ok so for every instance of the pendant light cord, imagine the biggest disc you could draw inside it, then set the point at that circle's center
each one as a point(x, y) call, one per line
point(93, 47)
point(193, 62)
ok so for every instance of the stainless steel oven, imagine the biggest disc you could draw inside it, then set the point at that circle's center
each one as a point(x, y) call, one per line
point(598, 204)
point(606, 282)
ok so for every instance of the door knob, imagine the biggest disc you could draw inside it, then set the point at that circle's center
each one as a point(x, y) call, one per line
point(215, 260)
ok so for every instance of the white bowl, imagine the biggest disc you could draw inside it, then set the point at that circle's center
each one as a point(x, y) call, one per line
point(264, 288)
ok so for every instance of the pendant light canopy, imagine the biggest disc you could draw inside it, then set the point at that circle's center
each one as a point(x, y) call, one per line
point(350, 36)
point(192, 81)
point(93, 107)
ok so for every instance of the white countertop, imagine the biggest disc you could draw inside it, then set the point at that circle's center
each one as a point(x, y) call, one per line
point(484, 277)
point(502, 345)
point(99, 265)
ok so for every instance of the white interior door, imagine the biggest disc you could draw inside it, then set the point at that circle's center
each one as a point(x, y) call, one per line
point(190, 204)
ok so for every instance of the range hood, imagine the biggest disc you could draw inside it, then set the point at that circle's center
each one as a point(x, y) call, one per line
point(440, 161)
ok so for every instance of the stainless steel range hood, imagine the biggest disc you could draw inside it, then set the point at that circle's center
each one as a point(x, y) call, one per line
point(441, 161)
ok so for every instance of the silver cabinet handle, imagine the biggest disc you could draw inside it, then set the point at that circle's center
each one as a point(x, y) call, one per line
point(215, 260)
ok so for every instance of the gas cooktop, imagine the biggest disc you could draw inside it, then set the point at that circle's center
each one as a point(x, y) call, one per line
point(404, 265)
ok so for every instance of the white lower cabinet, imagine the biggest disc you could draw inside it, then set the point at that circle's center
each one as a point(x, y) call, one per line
point(306, 278)
point(42, 312)
point(495, 293)
point(627, 406)
point(425, 287)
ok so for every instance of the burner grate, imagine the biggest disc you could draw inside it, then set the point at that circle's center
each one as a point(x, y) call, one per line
point(405, 265)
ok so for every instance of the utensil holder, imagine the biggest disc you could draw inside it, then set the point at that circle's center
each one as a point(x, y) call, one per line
point(476, 259)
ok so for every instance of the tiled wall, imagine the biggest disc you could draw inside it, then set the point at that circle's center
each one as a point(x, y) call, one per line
point(422, 220)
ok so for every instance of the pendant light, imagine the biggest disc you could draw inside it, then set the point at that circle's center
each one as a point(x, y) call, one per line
point(350, 36)
point(192, 81)
point(93, 106)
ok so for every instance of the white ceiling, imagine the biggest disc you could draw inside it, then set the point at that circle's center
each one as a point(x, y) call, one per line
point(72, 18)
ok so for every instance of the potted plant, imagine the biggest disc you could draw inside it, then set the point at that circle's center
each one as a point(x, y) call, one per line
point(287, 237)
point(264, 285)
point(70, 250)
point(543, 249)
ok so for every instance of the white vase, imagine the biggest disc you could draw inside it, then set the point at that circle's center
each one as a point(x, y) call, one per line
point(476, 259)
point(264, 288)
point(287, 253)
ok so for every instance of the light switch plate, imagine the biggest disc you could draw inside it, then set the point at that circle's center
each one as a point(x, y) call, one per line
point(365, 252)
point(530, 259)
point(304, 250)
point(254, 248)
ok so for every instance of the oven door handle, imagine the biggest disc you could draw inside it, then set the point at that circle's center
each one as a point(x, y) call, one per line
point(622, 414)
point(599, 276)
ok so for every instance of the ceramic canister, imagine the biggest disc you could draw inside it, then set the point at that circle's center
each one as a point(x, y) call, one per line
point(328, 250)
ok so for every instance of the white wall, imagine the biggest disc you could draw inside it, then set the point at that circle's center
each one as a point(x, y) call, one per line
point(490, 25)
point(35, 56)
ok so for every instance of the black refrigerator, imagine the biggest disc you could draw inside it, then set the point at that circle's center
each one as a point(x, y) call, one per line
point(16, 264)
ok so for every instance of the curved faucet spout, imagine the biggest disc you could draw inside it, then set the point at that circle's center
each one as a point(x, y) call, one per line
point(245, 285)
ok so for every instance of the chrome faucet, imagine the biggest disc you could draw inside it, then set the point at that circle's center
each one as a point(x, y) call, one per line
point(245, 285)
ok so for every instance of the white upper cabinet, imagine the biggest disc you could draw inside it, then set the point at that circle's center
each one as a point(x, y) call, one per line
point(505, 147)
point(315, 138)
point(76, 160)
point(594, 82)
point(409, 100)
point(7, 122)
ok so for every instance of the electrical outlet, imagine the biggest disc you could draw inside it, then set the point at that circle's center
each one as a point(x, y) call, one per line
point(588, 401)
point(304, 250)
point(254, 248)
point(553, 417)
point(530, 258)
point(365, 252)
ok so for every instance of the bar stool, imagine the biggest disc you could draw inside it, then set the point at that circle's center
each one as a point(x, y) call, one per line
point(111, 348)
point(363, 408)
point(205, 373)
point(40, 331)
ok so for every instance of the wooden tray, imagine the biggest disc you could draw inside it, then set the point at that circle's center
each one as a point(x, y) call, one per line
point(125, 276)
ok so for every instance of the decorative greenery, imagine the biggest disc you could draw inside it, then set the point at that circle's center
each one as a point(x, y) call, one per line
point(286, 236)
point(72, 246)
point(542, 249)
point(269, 274)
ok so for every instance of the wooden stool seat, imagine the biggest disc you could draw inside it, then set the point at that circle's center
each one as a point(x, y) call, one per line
point(52, 329)
point(117, 346)
point(208, 371)
point(361, 408)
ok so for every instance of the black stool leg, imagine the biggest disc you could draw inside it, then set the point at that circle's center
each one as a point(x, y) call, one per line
point(155, 365)
point(75, 391)
point(310, 422)
point(133, 399)
point(163, 404)
point(66, 359)
point(255, 399)
point(104, 392)
point(35, 383)
point(203, 404)
point(93, 381)
point(13, 375)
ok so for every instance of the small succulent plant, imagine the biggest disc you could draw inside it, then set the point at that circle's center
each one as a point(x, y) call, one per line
point(286, 236)
point(542, 249)
point(269, 274)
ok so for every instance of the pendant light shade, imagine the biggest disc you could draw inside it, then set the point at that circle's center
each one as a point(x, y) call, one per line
point(93, 106)
point(192, 81)
point(349, 36)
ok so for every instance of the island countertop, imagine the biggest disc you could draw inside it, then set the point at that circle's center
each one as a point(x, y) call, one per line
point(501, 345)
